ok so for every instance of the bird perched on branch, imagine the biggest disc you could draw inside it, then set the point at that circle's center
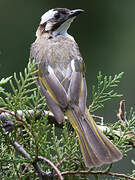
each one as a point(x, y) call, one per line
point(61, 78)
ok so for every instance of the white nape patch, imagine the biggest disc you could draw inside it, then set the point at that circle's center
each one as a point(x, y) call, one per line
point(48, 15)
point(48, 26)
point(73, 65)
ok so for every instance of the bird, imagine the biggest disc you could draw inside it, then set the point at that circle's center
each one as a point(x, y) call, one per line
point(61, 77)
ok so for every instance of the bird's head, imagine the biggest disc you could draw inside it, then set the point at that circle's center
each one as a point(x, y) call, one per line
point(58, 20)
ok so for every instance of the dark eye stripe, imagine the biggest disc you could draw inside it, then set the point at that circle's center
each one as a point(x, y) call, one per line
point(57, 15)
point(55, 26)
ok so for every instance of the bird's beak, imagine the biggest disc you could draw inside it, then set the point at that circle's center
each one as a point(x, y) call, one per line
point(75, 12)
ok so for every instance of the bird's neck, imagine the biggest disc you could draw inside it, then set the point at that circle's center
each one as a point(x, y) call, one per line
point(54, 34)
point(61, 30)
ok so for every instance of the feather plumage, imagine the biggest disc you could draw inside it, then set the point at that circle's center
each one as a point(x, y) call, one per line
point(62, 81)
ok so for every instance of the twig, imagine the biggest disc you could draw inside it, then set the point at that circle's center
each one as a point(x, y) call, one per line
point(5, 113)
point(26, 167)
point(97, 173)
point(122, 117)
point(122, 113)
point(21, 150)
point(59, 163)
point(98, 117)
point(20, 121)
point(40, 158)
point(43, 175)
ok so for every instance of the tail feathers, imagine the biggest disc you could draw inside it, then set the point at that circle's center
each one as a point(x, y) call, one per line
point(96, 148)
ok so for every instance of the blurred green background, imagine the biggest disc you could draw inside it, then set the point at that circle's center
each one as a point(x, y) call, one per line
point(105, 34)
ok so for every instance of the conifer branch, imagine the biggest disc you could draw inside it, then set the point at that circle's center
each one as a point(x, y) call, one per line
point(28, 128)
point(44, 160)
point(97, 173)
point(104, 90)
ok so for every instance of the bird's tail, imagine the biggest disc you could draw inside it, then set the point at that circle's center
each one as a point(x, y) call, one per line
point(95, 146)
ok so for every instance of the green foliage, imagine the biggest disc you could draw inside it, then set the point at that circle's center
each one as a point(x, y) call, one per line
point(126, 133)
point(66, 147)
point(41, 137)
point(21, 89)
point(4, 81)
point(104, 91)
point(33, 133)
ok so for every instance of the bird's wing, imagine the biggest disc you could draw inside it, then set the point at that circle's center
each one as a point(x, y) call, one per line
point(61, 71)
point(71, 89)
point(50, 81)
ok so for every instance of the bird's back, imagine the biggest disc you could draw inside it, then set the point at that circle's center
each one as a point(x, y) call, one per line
point(57, 53)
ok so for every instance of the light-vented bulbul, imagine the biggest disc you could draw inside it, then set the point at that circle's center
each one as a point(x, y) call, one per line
point(61, 78)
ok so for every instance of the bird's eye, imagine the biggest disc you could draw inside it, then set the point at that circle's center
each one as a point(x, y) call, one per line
point(57, 16)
